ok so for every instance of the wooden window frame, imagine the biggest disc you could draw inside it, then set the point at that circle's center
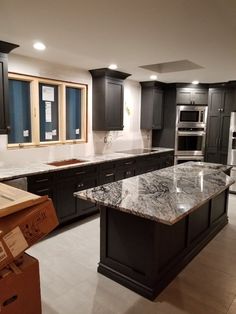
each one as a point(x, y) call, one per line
point(35, 115)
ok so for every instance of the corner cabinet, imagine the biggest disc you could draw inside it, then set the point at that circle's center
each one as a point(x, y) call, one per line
point(152, 105)
point(5, 48)
point(108, 99)
point(192, 96)
point(221, 103)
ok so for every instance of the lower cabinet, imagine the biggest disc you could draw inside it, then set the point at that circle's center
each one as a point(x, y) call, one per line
point(61, 185)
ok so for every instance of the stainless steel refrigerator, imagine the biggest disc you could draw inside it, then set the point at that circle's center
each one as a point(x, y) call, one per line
point(232, 149)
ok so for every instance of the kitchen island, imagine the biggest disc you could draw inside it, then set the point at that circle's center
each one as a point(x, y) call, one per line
point(153, 224)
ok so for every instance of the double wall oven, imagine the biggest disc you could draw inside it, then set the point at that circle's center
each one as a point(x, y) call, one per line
point(190, 135)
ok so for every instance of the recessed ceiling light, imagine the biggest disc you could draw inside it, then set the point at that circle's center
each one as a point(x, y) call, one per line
point(153, 77)
point(39, 46)
point(195, 82)
point(113, 67)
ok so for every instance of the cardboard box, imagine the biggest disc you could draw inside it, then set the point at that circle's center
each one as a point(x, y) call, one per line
point(22, 229)
point(20, 288)
point(13, 200)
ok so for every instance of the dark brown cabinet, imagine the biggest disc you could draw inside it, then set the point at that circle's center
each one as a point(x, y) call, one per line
point(152, 105)
point(5, 48)
point(61, 185)
point(191, 96)
point(221, 103)
point(108, 99)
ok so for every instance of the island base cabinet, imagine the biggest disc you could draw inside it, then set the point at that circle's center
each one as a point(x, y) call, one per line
point(144, 255)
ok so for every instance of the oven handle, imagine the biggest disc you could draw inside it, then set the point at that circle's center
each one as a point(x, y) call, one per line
point(191, 133)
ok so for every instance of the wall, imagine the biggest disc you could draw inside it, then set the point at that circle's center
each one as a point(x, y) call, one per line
point(130, 137)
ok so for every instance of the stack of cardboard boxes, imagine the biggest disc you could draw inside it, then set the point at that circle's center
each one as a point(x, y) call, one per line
point(24, 220)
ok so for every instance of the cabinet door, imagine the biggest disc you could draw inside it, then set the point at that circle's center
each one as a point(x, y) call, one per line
point(84, 207)
point(229, 102)
point(157, 110)
point(65, 200)
point(114, 105)
point(225, 123)
point(147, 101)
point(184, 96)
point(3, 94)
point(200, 97)
point(216, 101)
point(213, 139)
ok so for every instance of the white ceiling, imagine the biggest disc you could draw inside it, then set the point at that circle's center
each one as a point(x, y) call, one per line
point(92, 34)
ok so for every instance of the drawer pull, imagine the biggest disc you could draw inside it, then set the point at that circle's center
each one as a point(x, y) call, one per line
point(81, 172)
point(109, 175)
point(129, 163)
point(42, 180)
point(42, 191)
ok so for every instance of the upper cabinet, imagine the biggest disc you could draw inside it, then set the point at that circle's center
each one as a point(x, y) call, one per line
point(192, 96)
point(108, 99)
point(152, 105)
point(5, 48)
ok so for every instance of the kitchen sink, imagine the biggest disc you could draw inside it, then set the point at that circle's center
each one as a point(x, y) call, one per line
point(66, 162)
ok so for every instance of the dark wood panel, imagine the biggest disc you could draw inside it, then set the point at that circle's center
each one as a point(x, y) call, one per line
point(198, 222)
point(218, 206)
point(172, 242)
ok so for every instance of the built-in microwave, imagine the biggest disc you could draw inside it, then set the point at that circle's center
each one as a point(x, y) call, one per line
point(191, 116)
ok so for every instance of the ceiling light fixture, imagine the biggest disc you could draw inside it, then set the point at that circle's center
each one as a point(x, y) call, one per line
point(39, 46)
point(153, 77)
point(195, 82)
point(113, 67)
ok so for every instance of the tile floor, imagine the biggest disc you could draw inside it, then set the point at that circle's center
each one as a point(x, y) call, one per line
point(71, 285)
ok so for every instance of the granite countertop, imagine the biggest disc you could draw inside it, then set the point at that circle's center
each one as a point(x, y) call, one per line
point(8, 172)
point(165, 195)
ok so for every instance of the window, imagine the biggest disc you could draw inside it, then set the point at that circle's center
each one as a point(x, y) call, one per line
point(46, 111)
point(19, 112)
point(73, 113)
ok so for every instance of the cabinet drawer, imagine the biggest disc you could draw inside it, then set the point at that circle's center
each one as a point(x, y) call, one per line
point(43, 191)
point(107, 165)
point(127, 163)
point(107, 176)
point(39, 180)
point(76, 172)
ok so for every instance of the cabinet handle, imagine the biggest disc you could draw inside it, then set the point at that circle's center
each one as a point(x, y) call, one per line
point(128, 163)
point(43, 190)
point(81, 172)
point(41, 180)
point(109, 174)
